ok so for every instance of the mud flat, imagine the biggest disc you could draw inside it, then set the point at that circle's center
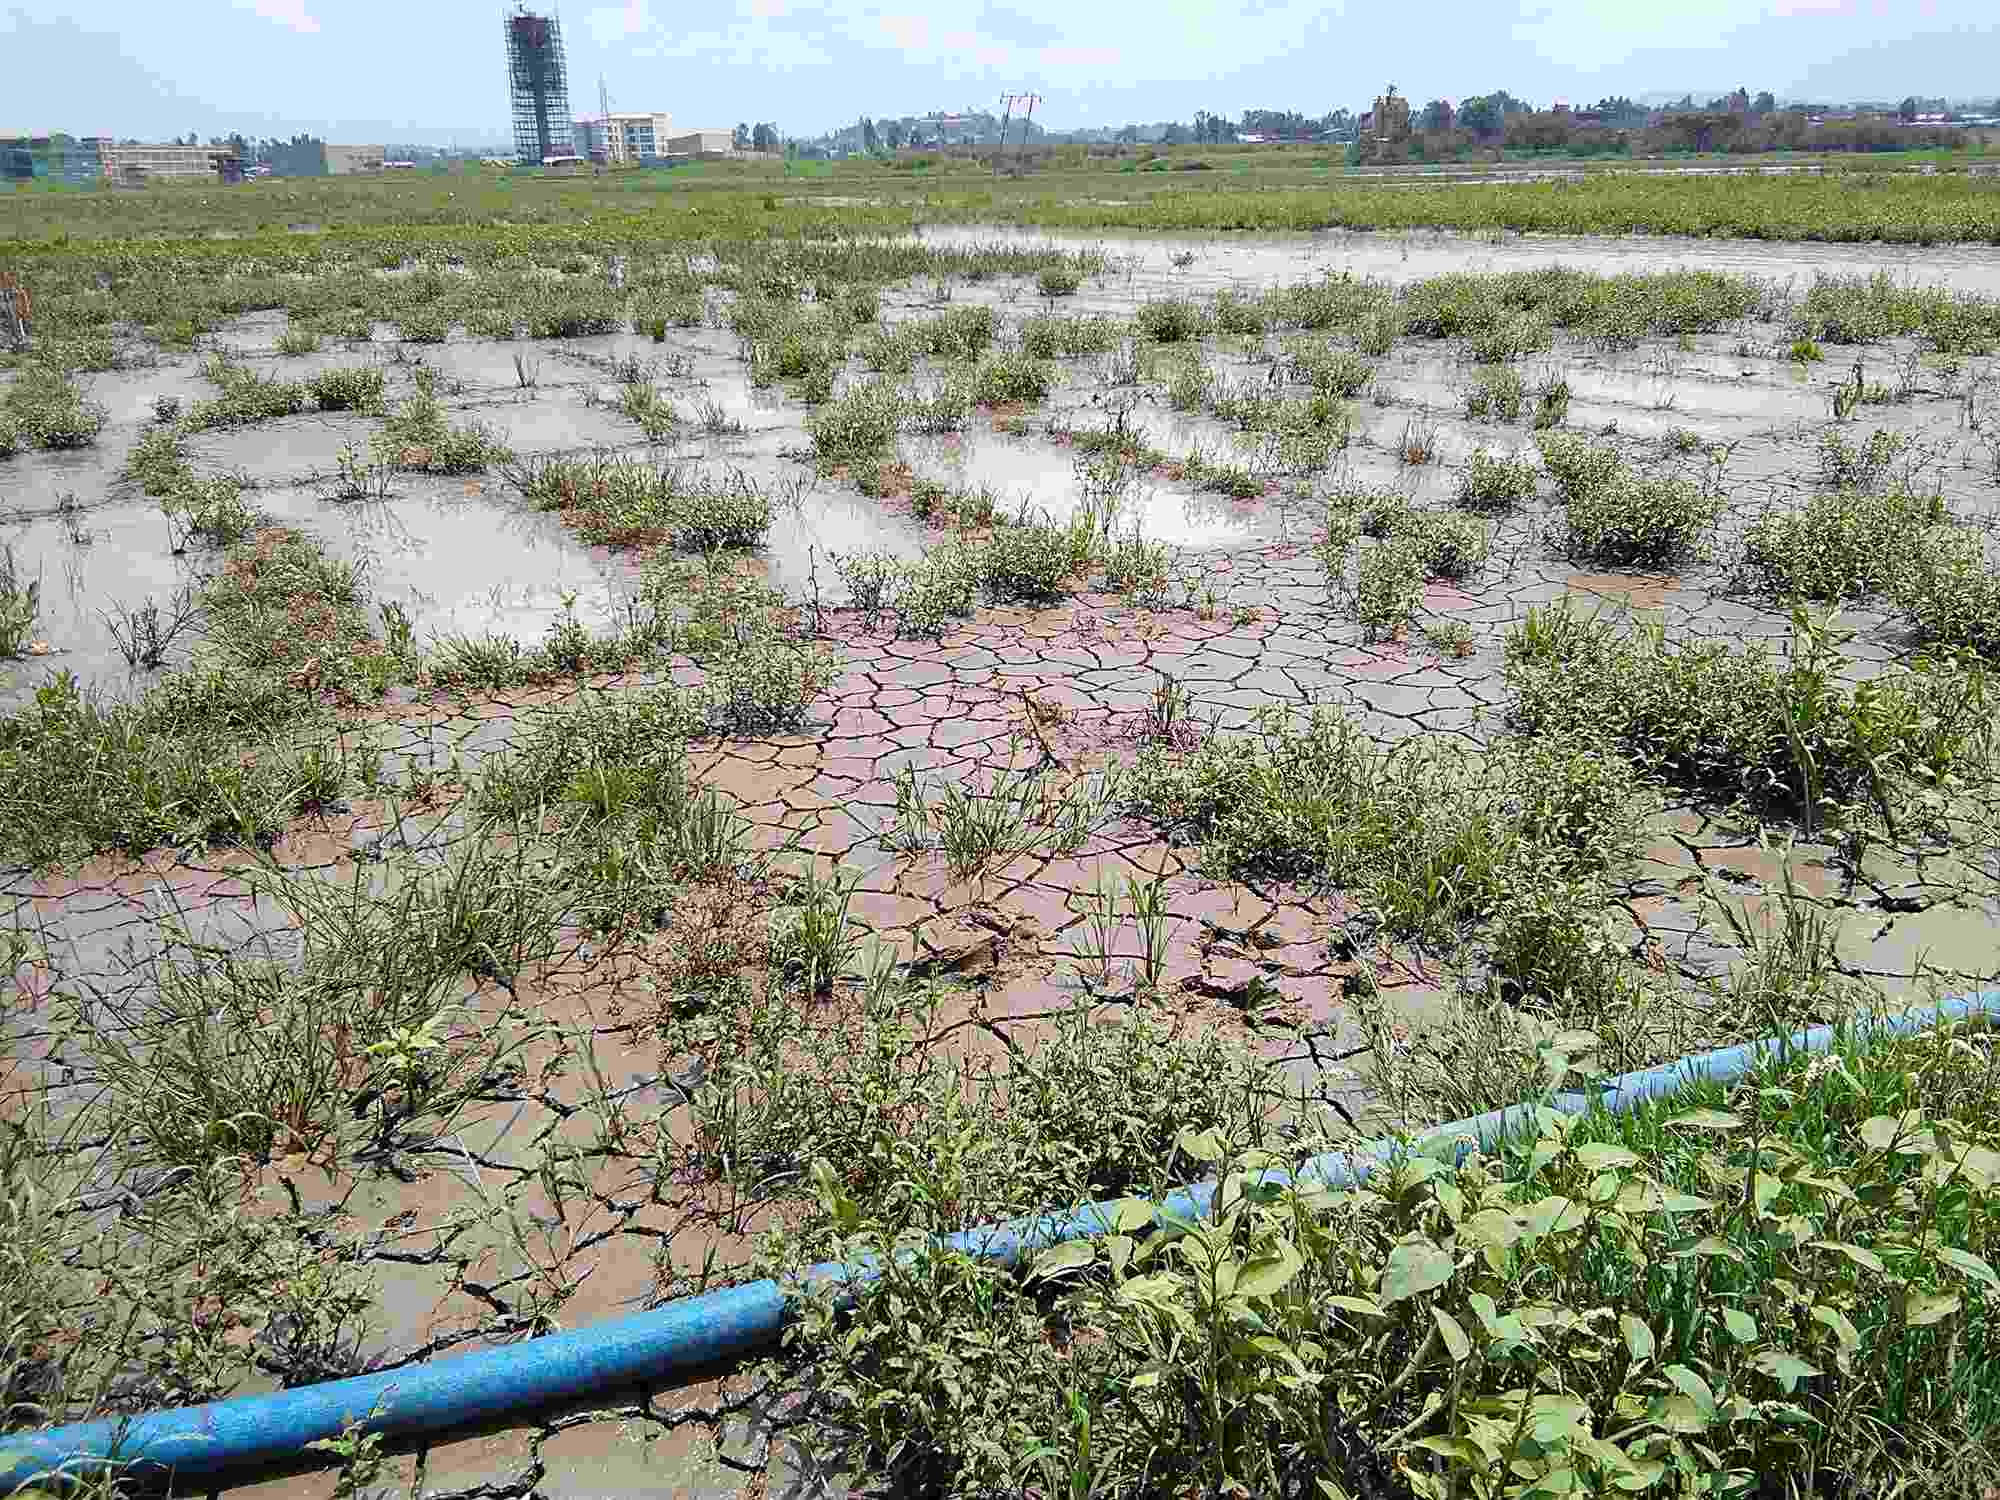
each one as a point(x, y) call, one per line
point(610, 1016)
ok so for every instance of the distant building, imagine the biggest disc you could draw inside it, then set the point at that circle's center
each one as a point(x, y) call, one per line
point(131, 165)
point(1389, 120)
point(950, 130)
point(624, 136)
point(50, 154)
point(347, 161)
point(702, 143)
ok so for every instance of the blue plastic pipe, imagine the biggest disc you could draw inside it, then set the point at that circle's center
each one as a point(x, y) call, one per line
point(247, 1432)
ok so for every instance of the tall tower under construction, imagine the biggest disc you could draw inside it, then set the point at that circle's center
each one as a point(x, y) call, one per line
point(538, 77)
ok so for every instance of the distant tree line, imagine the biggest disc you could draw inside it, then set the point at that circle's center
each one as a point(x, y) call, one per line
point(1733, 123)
point(874, 135)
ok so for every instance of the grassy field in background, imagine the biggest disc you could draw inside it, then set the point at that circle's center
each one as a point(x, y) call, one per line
point(1204, 189)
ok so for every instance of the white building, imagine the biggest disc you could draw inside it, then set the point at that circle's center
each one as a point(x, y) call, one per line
point(349, 161)
point(703, 143)
point(623, 136)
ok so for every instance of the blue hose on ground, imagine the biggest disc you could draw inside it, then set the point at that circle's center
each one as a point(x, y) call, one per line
point(250, 1431)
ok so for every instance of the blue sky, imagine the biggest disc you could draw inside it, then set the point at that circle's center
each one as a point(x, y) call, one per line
point(373, 71)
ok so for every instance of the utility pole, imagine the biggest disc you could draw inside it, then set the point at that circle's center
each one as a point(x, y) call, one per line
point(1027, 120)
point(1006, 114)
point(1009, 101)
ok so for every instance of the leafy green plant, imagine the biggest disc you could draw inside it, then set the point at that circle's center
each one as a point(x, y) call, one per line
point(1230, 1335)
point(1490, 483)
point(212, 511)
point(814, 942)
point(768, 685)
point(1613, 515)
point(1170, 321)
point(351, 389)
point(45, 407)
point(1864, 466)
point(1949, 587)
point(1019, 812)
point(1058, 281)
point(1495, 391)
point(1036, 561)
point(1551, 400)
point(1844, 544)
point(860, 424)
point(424, 440)
point(20, 605)
point(1718, 718)
point(1190, 384)
point(623, 501)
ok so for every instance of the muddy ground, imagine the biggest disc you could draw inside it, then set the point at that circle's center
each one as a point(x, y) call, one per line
point(466, 1228)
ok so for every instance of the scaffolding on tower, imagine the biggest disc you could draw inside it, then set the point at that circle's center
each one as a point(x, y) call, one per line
point(538, 77)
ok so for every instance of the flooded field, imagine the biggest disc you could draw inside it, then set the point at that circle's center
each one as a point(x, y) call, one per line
point(1228, 695)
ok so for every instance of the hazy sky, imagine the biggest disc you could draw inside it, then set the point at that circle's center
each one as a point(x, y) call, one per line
point(376, 71)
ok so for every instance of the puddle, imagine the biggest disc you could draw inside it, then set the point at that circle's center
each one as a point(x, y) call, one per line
point(488, 364)
point(35, 481)
point(292, 445)
point(553, 426)
point(126, 560)
point(457, 562)
point(801, 538)
point(464, 563)
point(1041, 478)
point(127, 395)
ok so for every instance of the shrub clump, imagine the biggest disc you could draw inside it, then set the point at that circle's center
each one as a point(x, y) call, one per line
point(246, 398)
point(858, 425)
point(1053, 337)
point(421, 439)
point(357, 388)
point(1007, 378)
point(1949, 587)
point(1490, 483)
point(1735, 721)
point(45, 408)
point(1058, 281)
point(1327, 369)
point(1496, 391)
point(1613, 515)
point(1322, 801)
point(1844, 545)
point(1171, 321)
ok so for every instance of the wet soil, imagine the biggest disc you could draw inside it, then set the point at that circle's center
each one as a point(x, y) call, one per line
point(1270, 966)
